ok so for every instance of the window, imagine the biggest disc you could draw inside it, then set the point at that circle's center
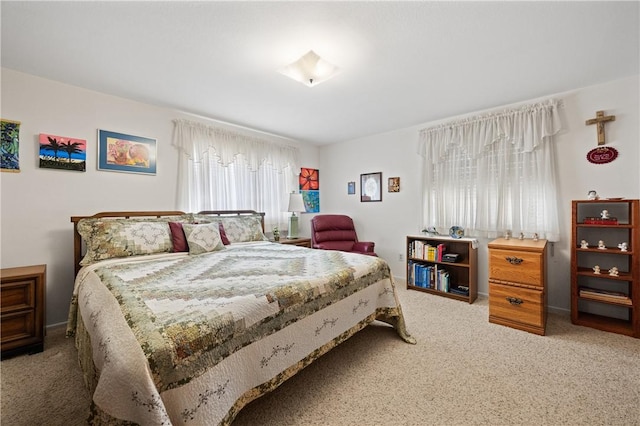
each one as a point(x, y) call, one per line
point(220, 169)
point(493, 173)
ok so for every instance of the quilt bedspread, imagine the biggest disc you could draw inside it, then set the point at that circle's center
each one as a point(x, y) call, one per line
point(180, 338)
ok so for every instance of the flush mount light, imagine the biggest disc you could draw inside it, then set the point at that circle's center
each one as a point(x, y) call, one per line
point(310, 69)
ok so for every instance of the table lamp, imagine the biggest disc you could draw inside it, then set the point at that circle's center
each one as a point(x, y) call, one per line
point(296, 204)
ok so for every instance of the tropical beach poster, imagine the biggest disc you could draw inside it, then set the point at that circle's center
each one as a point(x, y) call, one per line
point(60, 152)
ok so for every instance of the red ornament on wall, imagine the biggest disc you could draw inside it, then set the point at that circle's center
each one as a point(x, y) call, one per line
point(602, 155)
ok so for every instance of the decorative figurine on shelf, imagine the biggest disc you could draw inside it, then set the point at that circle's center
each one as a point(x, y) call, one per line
point(584, 244)
point(601, 245)
point(521, 236)
point(596, 269)
point(535, 237)
point(604, 214)
point(276, 234)
point(507, 234)
point(432, 230)
point(592, 195)
point(623, 246)
point(613, 271)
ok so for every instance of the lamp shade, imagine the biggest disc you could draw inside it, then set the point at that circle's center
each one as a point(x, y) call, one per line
point(296, 204)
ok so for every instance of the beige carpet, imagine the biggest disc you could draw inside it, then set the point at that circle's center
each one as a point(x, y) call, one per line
point(462, 371)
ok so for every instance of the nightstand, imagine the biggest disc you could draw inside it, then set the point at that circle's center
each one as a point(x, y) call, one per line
point(302, 242)
point(22, 294)
point(517, 284)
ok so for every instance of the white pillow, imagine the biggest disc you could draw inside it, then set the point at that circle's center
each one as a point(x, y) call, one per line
point(203, 238)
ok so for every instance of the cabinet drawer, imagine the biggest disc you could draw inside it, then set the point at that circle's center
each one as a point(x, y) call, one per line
point(516, 304)
point(17, 326)
point(516, 266)
point(17, 295)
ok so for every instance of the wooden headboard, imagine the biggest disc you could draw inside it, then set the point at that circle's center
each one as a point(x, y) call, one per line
point(77, 239)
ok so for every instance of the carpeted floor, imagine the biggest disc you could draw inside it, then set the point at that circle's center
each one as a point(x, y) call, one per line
point(463, 371)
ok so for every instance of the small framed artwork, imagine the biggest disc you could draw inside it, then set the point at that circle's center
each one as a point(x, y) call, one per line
point(370, 189)
point(351, 188)
point(394, 184)
point(10, 146)
point(309, 179)
point(59, 152)
point(118, 152)
point(311, 200)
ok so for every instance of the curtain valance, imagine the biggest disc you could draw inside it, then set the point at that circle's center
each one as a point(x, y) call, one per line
point(196, 139)
point(525, 128)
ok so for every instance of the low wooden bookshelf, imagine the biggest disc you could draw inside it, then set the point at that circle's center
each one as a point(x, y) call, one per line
point(429, 271)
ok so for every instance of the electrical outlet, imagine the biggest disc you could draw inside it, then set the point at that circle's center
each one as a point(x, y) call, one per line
point(401, 257)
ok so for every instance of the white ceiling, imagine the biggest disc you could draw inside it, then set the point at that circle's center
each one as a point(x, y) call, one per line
point(403, 63)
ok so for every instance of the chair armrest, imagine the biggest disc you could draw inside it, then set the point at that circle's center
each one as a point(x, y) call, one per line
point(334, 245)
point(364, 246)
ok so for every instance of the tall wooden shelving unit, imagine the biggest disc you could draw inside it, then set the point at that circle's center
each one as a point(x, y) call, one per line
point(620, 313)
point(461, 273)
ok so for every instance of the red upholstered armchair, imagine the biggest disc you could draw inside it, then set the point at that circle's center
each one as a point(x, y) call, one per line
point(336, 232)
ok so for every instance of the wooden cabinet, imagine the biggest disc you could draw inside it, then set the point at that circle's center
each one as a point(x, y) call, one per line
point(517, 284)
point(428, 270)
point(601, 298)
point(22, 294)
point(302, 242)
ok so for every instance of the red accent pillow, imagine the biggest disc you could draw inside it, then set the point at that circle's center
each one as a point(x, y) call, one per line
point(223, 235)
point(178, 238)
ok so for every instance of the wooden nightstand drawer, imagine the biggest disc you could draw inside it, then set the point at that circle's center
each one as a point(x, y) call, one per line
point(517, 307)
point(22, 294)
point(516, 266)
point(17, 295)
point(17, 326)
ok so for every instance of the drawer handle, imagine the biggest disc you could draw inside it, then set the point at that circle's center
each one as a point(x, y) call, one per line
point(514, 300)
point(513, 260)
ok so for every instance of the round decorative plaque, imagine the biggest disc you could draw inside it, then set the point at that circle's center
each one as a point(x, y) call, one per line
point(602, 155)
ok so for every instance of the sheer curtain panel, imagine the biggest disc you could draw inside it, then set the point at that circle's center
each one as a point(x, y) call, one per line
point(493, 173)
point(221, 169)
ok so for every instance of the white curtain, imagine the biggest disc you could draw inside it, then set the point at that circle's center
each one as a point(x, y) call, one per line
point(493, 173)
point(221, 169)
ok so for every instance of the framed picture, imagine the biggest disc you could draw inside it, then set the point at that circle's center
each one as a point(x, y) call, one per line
point(309, 179)
point(10, 146)
point(394, 184)
point(118, 152)
point(351, 188)
point(59, 152)
point(370, 187)
point(311, 200)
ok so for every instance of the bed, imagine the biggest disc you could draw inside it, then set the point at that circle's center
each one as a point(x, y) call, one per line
point(184, 318)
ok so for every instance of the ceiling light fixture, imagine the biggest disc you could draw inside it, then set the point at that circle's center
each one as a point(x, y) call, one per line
point(310, 69)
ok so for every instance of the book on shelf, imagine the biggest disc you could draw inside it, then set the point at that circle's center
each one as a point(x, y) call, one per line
point(428, 276)
point(605, 295)
point(461, 290)
point(419, 249)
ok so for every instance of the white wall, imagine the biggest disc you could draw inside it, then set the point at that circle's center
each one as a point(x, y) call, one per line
point(36, 204)
point(399, 214)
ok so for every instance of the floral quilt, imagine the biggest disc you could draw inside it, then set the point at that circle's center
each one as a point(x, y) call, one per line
point(190, 339)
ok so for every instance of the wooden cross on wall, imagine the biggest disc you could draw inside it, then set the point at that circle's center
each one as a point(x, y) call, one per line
point(599, 121)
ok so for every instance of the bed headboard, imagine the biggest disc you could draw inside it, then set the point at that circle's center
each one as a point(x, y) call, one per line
point(77, 239)
point(234, 213)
